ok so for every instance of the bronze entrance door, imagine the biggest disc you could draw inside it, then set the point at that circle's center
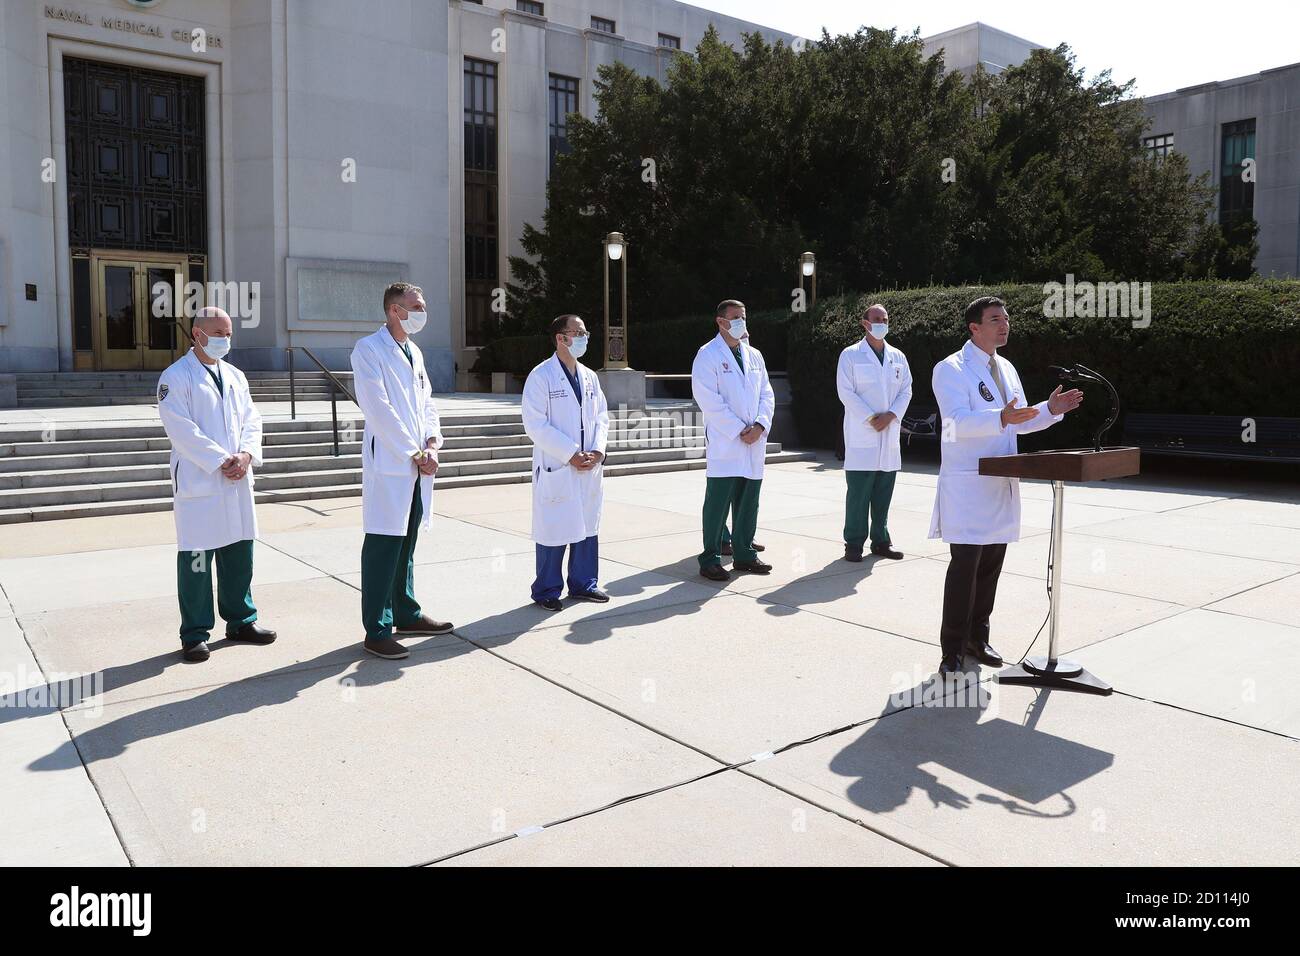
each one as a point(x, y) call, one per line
point(136, 304)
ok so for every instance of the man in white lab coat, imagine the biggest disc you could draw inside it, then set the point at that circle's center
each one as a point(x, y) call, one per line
point(216, 437)
point(399, 457)
point(981, 410)
point(730, 385)
point(875, 385)
point(567, 418)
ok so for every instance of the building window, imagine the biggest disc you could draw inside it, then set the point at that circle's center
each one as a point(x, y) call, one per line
point(1158, 147)
point(1236, 195)
point(670, 42)
point(601, 25)
point(564, 100)
point(531, 6)
point(481, 226)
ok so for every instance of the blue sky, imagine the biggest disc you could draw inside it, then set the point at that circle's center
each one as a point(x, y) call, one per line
point(1164, 45)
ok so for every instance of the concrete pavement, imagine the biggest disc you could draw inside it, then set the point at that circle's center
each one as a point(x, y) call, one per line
point(787, 719)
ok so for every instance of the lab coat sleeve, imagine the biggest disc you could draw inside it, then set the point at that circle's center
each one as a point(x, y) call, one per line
point(1044, 419)
point(183, 432)
point(766, 401)
point(704, 389)
point(954, 406)
point(904, 394)
point(250, 436)
point(602, 421)
point(368, 379)
point(854, 406)
point(537, 420)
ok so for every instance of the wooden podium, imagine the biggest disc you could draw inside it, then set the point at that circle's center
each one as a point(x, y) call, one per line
point(1058, 467)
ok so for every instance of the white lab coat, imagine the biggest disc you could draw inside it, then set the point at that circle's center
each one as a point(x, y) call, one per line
point(396, 399)
point(205, 427)
point(566, 502)
point(731, 401)
point(867, 387)
point(970, 508)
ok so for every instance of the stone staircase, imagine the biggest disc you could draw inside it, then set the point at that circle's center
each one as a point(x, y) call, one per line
point(82, 470)
point(91, 389)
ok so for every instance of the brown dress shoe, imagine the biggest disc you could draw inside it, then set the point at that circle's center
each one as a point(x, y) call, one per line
point(424, 625)
point(386, 648)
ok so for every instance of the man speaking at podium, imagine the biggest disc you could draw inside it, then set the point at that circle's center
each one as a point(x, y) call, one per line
point(982, 409)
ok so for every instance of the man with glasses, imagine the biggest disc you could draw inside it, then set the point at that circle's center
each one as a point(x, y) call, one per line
point(566, 416)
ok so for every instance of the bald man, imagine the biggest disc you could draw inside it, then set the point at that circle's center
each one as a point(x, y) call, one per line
point(216, 438)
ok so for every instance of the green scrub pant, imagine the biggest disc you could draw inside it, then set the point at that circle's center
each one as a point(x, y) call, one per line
point(388, 577)
point(740, 497)
point(868, 497)
point(234, 589)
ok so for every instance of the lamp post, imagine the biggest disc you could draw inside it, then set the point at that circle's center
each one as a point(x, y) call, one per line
point(615, 250)
point(808, 267)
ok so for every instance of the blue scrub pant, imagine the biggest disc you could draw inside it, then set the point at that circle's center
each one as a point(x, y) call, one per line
point(584, 558)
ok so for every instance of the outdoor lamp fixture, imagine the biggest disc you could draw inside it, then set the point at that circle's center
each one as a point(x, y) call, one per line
point(808, 268)
point(616, 334)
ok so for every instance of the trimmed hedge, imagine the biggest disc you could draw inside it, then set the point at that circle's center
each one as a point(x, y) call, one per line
point(1212, 348)
point(666, 347)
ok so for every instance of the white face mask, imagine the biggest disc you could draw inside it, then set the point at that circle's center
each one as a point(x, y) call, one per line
point(216, 347)
point(578, 346)
point(414, 321)
point(737, 330)
point(879, 329)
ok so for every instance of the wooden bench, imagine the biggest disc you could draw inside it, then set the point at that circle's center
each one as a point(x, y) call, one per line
point(1215, 436)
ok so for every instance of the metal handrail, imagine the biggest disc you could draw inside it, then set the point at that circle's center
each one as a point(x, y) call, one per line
point(336, 386)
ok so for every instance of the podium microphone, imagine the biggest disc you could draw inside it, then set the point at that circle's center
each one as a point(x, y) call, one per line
point(1081, 373)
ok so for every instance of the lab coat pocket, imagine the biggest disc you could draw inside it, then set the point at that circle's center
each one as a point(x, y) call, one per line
point(861, 434)
point(723, 448)
point(555, 487)
point(389, 462)
point(869, 383)
point(191, 481)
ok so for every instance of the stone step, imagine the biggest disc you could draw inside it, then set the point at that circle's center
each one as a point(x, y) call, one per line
point(110, 466)
point(147, 481)
point(453, 427)
point(50, 512)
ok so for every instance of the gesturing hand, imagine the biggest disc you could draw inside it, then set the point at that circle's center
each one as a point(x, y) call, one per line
point(1058, 403)
point(1017, 416)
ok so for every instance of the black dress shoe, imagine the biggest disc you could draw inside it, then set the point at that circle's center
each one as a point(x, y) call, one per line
point(753, 567)
point(852, 554)
point(196, 653)
point(423, 625)
point(595, 595)
point(715, 572)
point(252, 634)
point(552, 605)
point(886, 551)
point(950, 667)
point(985, 654)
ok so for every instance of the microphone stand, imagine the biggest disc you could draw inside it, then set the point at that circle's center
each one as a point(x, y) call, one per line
point(1081, 373)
